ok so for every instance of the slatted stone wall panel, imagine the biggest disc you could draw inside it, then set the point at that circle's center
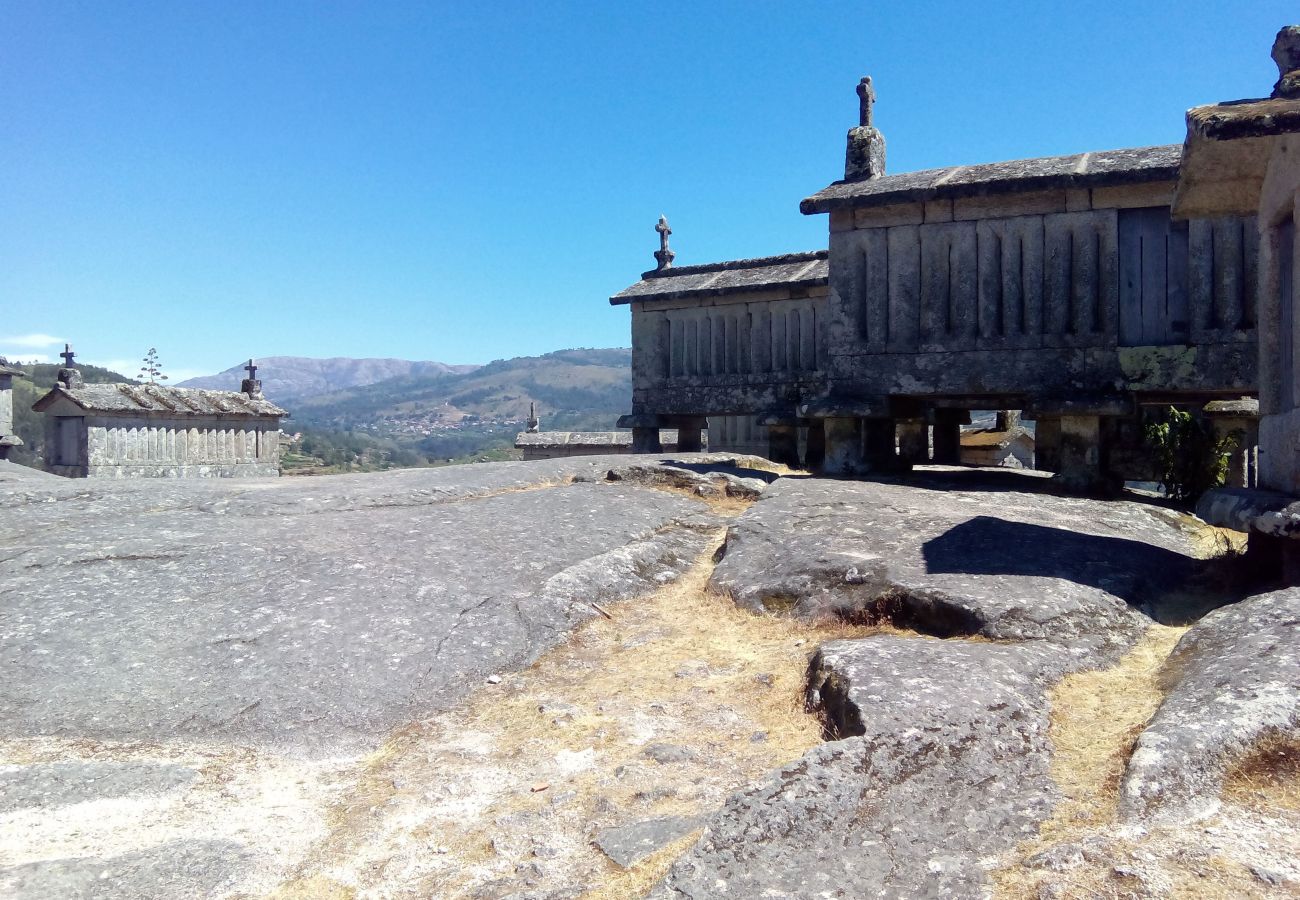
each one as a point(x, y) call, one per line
point(1010, 280)
point(1286, 316)
point(1221, 284)
point(1082, 284)
point(948, 319)
point(904, 301)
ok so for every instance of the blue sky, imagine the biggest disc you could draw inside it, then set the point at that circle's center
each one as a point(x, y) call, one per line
point(471, 181)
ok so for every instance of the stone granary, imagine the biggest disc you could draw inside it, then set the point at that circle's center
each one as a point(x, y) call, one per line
point(8, 439)
point(151, 431)
point(1244, 157)
point(537, 444)
point(1060, 286)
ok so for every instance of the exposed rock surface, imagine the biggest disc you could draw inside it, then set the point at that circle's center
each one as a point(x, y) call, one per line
point(627, 845)
point(946, 765)
point(1236, 681)
point(307, 611)
point(1005, 564)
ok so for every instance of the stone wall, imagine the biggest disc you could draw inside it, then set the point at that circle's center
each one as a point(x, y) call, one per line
point(1040, 293)
point(1279, 297)
point(138, 447)
point(733, 355)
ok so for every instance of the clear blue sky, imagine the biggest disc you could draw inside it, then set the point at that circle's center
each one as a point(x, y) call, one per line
point(470, 181)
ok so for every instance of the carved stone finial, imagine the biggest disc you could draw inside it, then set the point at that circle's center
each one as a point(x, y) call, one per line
point(865, 156)
point(251, 386)
point(866, 100)
point(664, 256)
point(534, 423)
point(68, 376)
point(1286, 53)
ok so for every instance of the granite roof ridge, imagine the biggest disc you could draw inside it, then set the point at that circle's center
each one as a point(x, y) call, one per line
point(1088, 168)
point(756, 262)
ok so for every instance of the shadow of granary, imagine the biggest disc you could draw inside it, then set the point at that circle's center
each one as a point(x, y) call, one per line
point(1141, 574)
point(708, 468)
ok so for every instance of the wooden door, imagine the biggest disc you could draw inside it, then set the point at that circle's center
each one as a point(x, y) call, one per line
point(1152, 278)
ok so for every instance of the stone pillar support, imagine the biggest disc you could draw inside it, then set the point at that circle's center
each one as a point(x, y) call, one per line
point(1239, 420)
point(914, 441)
point(947, 435)
point(690, 434)
point(1047, 443)
point(815, 450)
point(881, 446)
point(843, 446)
point(1082, 458)
point(646, 440)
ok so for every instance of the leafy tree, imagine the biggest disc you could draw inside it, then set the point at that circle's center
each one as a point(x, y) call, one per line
point(151, 371)
point(1190, 457)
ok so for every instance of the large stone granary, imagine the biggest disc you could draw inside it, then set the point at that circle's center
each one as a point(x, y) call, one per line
point(1062, 287)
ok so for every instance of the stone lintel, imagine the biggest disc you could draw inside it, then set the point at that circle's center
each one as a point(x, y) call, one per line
point(1079, 406)
point(1245, 408)
point(640, 420)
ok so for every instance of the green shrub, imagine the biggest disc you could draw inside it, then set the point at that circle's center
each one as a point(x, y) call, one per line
point(1189, 457)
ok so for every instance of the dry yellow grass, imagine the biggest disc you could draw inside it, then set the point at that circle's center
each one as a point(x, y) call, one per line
point(1096, 718)
point(1267, 778)
point(681, 666)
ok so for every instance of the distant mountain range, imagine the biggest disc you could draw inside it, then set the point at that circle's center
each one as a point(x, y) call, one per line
point(286, 379)
point(572, 388)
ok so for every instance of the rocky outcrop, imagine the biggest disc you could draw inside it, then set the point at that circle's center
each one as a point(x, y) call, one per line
point(1235, 680)
point(1002, 564)
point(944, 762)
point(311, 612)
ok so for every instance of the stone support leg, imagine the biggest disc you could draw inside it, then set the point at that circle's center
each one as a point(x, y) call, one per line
point(783, 445)
point(1081, 456)
point(1047, 443)
point(814, 454)
point(1242, 461)
point(880, 445)
point(914, 441)
point(646, 440)
point(690, 435)
point(843, 446)
point(947, 436)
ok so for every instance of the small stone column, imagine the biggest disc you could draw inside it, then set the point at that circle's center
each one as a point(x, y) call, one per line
point(1081, 457)
point(1047, 443)
point(881, 445)
point(690, 434)
point(646, 440)
point(914, 441)
point(843, 446)
point(814, 455)
point(1239, 420)
point(783, 444)
point(947, 435)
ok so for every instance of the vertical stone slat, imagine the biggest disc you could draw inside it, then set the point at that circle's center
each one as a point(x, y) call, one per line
point(1229, 284)
point(874, 300)
point(1200, 279)
point(779, 363)
point(808, 338)
point(904, 253)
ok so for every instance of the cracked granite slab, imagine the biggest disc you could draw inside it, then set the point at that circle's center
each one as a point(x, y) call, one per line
point(314, 613)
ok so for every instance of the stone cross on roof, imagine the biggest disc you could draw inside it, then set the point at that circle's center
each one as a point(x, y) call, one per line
point(866, 100)
point(67, 355)
point(251, 369)
point(664, 256)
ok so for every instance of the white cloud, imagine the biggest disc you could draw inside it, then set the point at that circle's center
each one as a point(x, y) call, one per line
point(31, 341)
point(25, 356)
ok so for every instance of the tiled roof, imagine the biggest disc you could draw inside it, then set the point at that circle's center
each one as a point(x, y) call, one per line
point(153, 398)
point(1106, 167)
point(732, 277)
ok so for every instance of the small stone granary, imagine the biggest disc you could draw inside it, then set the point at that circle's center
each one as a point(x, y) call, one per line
point(8, 439)
point(1062, 287)
point(537, 444)
point(151, 431)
